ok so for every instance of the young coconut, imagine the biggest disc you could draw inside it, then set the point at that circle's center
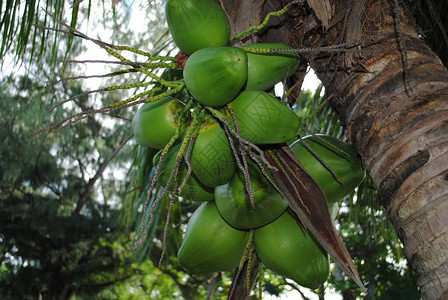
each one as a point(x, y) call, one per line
point(263, 119)
point(339, 159)
point(193, 189)
point(197, 24)
point(155, 123)
point(286, 248)
point(235, 206)
point(210, 244)
point(264, 70)
point(214, 76)
point(212, 159)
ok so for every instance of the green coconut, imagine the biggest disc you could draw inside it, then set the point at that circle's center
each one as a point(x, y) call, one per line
point(212, 159)
point(197, 24)
point(210, 244)
point(193, 189)
point(214, 76)
point(262, 119)
point(339, 158)
point(266, 69)
point(286, 248)
point(155, 123)
point(234, 204)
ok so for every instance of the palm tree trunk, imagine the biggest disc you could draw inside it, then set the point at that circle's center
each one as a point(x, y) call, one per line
point(392, 98)
point(391, 92)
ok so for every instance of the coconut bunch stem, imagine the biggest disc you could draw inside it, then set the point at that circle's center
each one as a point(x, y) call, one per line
point(147, 68)
point(265, 22)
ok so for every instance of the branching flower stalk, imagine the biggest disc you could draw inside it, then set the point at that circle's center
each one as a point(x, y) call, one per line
point(218, 115)
point(144, 229)
point(265, 173)
point(108, 47)
point(117, 87)
point(176, 173)
point(344, 47)
point(174, 195)
point(141, 239)
point(155, 62)
point(169, 84)
point(124, 62)
point(188, 143)
point(155, 176)
point(161, 96)
point(323, 162)
point(179, 156)
point(288, 92)
point(167, 223)
point(188, 155)
point(107, 75)
point(242, 164)
point(143, 53)
point(260, 284)
point(250, 263)
point(251, 29)
point(248, 257)
point(75, 118)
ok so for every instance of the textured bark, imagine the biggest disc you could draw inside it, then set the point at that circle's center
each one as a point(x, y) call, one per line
point(400, 130)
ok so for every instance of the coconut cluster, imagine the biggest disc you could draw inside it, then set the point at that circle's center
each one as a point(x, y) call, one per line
point(234, 83)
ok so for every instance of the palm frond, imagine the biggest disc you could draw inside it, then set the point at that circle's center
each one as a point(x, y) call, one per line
point(22, 40)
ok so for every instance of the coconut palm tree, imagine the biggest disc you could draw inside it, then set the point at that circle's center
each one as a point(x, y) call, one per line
point(387, 86)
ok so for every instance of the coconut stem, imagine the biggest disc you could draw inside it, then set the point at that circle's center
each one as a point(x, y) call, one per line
point(143, 228)
point(242, 164)
point(156, 62)
point(165, 230)
point(278, 13)
point(247, 249)
point(174, 171)
point(240, 139)
point(191, 135)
